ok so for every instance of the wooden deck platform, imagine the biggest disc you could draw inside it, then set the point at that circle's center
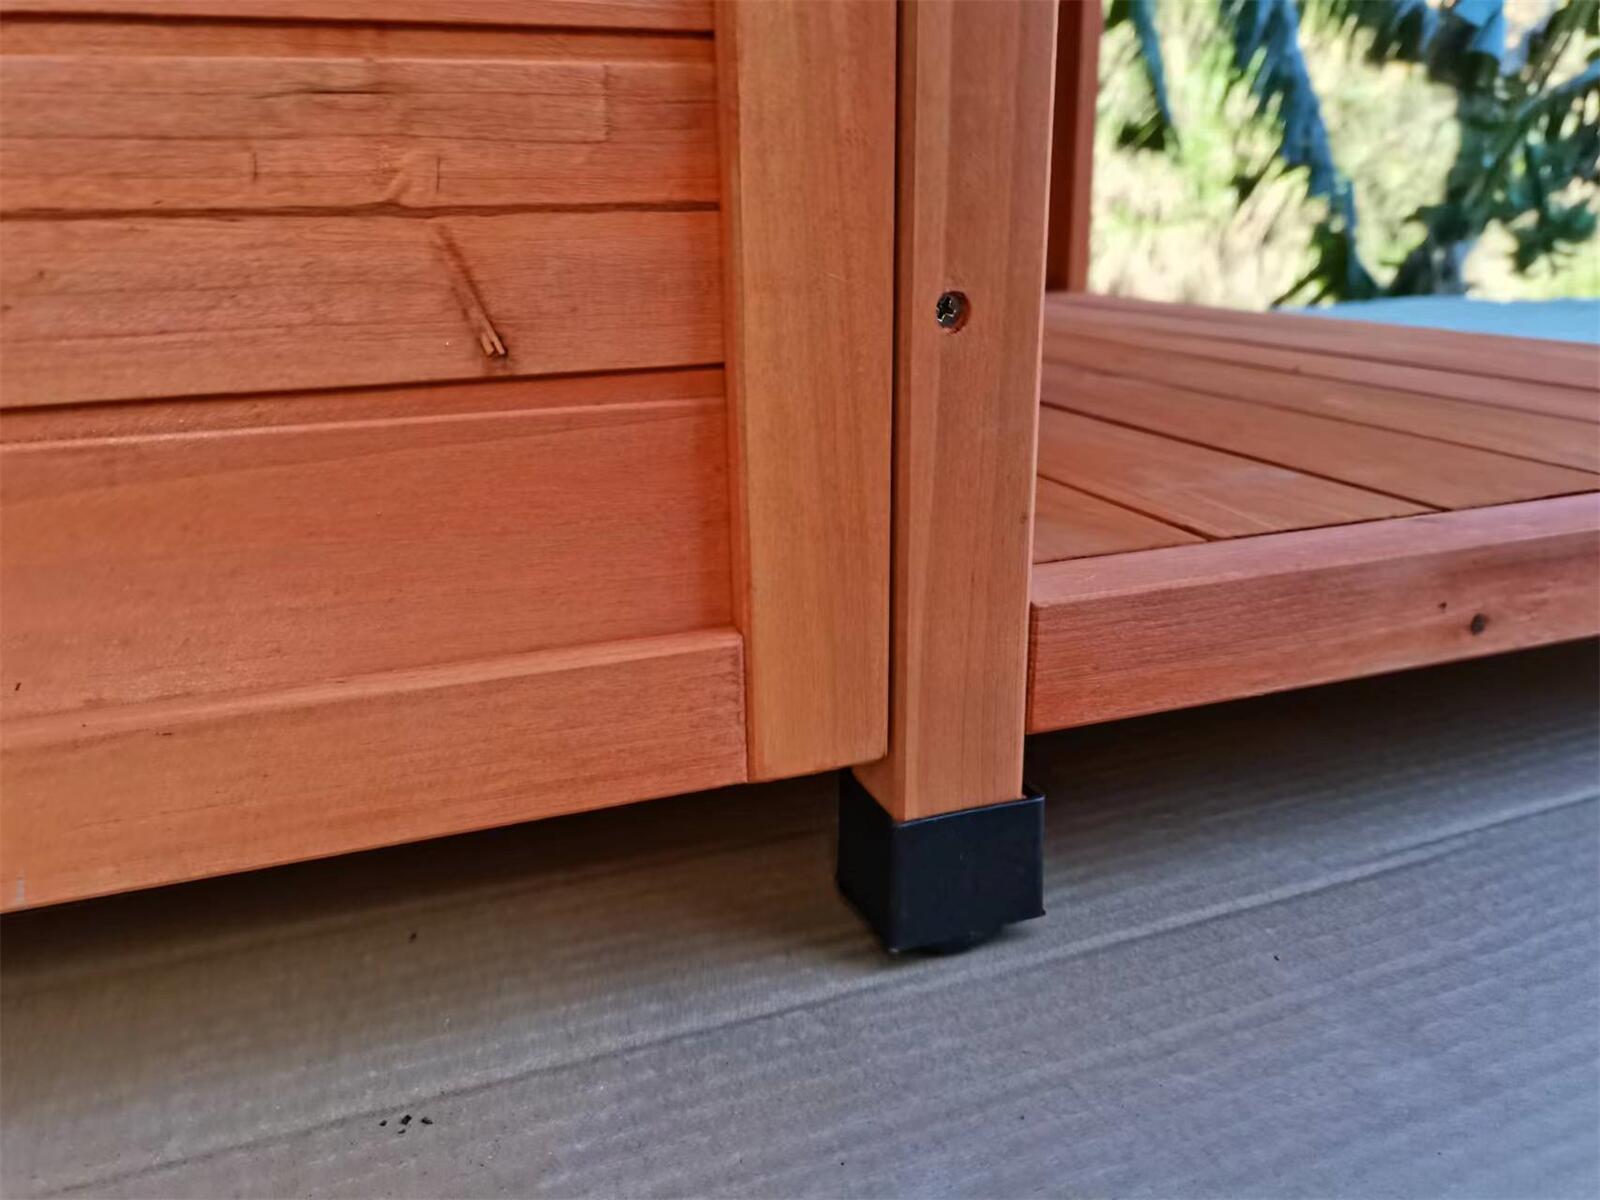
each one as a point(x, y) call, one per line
point(1235, 503)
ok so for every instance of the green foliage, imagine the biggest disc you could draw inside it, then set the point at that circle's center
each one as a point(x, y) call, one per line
point(1528, 149)
point(1155, 129)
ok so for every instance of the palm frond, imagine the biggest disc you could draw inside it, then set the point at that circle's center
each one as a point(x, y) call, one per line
point(1155, 129)
point(1267, 57)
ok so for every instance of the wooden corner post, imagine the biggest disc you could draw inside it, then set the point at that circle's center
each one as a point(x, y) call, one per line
point(1072, 158)
point(806, 115)
point(976, 80)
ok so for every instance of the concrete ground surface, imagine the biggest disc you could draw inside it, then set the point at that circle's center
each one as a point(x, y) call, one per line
point(1338, 943)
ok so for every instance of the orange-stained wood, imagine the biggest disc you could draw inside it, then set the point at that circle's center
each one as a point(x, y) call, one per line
point(807, 106)
point(1424, 471)
point(321, 118)
point(131, 796)
point(1072, 152)
point(1064, 322)
point(152, 307)
point(181, 552)
point(975, 111)
point(1068, 523)
point(682, 15)
point(1514, 431)
point(1205, 491)
point(1162, 629)
point(1517, 359)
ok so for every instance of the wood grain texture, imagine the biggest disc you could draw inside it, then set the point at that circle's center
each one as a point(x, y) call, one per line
point(1205, 491)
point(181, 561)
point(1561, 364)
point(682, 15)
point(149, 307)
point(134, 796)
point(1072, 152)
point(807, 104)
point(1576, 404)
point(1424, 471)
point(1138, 633)
point(173, 126)
point(1531, 435)
point(975, 113)
point(1068, 523)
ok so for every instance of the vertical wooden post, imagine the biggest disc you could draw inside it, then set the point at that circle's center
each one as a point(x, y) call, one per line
point(975, 111)
point(806, 108)
point(1072, 159)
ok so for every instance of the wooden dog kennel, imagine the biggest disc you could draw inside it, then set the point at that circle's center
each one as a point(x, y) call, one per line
point(427, 415)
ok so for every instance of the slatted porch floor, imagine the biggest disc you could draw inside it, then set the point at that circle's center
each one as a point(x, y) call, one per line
point(1231, 503)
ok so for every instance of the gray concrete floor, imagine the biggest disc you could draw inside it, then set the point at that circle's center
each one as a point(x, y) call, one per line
point(1344, 942)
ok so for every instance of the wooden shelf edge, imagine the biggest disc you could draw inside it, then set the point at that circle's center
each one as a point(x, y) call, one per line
point(1143, 632)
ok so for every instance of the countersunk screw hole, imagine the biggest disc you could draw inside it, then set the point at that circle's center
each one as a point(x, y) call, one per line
point(1478, 624)
point(951, 311)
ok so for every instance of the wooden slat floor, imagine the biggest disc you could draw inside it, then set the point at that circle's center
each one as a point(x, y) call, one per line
point(1170, 431)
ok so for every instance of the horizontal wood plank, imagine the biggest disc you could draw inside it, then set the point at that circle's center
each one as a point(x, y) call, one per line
point(295, 128)
point(1156, 630)
point(681, 15)
point(1203, 491)
point(1555, 440)
point(1563, 364)
point(134, 796)
point(164, 554)
point(1438, 474)
point(1065, 320)
point(120, 309)
point(1068, 523)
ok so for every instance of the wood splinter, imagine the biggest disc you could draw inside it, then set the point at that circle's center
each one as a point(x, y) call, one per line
point(466, 293)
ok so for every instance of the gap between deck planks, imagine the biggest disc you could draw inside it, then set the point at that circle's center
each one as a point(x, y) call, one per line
point(1146, 441)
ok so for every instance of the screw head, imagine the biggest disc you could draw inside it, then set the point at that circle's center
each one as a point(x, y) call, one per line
point(951, 310)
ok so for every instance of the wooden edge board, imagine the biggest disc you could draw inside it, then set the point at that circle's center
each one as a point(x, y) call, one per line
point(677, 15)
point(1161, 629)
point(106, 800)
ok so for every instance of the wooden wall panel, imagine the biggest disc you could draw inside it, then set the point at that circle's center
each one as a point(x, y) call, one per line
point(973, 184)
point(183, 120)
point(681, 15)
point(1162, 629)
point(118, 309)
point(209, 560)
point(138, 795)
point(807, 96)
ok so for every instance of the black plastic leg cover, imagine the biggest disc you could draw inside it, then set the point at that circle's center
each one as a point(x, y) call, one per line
point(944, 882)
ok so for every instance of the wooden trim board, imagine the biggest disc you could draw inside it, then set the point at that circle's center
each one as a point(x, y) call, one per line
point(676, 15)
point(807, 118)
point(94, 802)
point(1161, 629)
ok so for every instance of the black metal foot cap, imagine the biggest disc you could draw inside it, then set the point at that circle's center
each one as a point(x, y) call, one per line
point(940, 883)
